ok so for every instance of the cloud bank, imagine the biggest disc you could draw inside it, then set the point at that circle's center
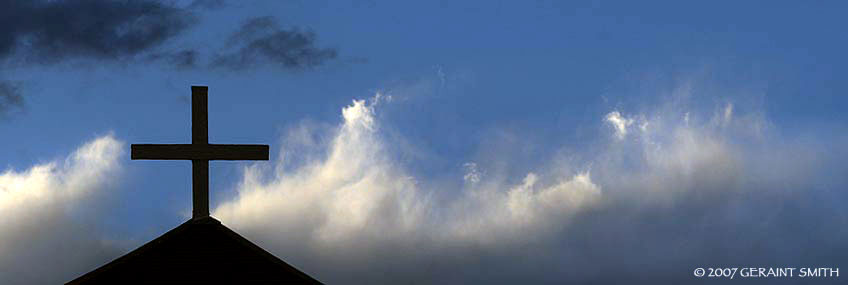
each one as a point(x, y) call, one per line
point(662, 192)
point(46, 233)
point(665, 192)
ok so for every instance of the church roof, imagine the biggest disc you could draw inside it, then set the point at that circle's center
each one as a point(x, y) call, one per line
point(198, 251)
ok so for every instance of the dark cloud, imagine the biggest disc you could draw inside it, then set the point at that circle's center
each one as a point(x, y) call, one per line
point(261, 41)
point(52, 31)
point(10, 99)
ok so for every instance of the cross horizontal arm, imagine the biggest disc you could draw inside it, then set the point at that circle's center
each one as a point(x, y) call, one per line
point(202, 152)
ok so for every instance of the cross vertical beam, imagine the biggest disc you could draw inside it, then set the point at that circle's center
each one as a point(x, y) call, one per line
point(199, 136)
point(200, 152)
point(199, 188)
point(199, 115)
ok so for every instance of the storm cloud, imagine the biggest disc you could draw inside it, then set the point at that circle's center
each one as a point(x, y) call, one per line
point(261, 41)
point(48, 32)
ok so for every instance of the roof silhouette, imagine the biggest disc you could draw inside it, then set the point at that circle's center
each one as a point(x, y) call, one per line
point(200, 251)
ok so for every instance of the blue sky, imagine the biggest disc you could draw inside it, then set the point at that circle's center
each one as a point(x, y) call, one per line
point(504, 132)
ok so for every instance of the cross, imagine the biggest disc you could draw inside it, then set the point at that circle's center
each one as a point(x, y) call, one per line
point(200, 152)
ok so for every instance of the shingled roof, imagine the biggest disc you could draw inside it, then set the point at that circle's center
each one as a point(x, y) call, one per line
point(200, 251)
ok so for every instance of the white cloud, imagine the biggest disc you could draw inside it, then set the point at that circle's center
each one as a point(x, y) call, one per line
point(472, 174)
point(619, 123)
point(728, 113)
point(341, 206)
point(46, 235)
point(356, 201)
point(349, 211)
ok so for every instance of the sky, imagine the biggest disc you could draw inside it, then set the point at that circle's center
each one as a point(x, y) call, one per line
point(419, 142)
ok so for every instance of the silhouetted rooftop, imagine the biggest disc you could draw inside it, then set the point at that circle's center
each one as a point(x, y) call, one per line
point(200, 251)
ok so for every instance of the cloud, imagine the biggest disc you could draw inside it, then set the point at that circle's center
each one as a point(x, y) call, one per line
point(261, 41)
point(47, 233)
point(52, 31)
point(619, 123)
point(690, 187)
point(353, 204)
point(10, 99)
point(688, 190)
point(472, 174)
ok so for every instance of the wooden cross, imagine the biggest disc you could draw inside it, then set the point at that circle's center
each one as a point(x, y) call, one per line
point(200, 152)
